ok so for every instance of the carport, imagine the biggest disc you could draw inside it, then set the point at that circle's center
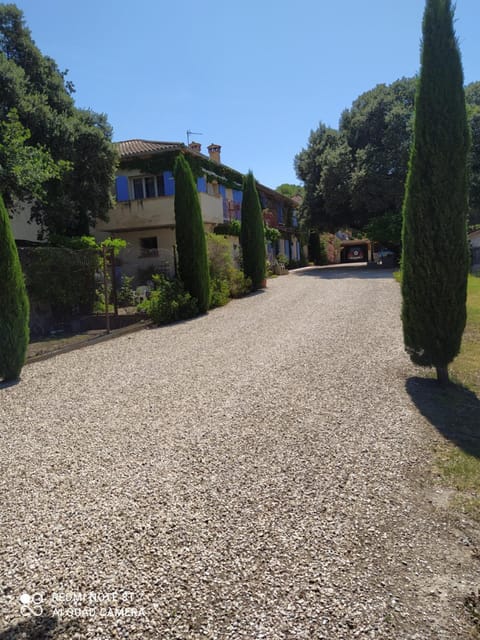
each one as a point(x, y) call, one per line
point(356, 251)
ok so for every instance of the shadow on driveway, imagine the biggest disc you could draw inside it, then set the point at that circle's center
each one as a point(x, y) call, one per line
point(454, 411)
point(335, 272)
point(41, 628)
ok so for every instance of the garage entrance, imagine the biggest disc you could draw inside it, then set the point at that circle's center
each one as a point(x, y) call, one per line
point(356, 251)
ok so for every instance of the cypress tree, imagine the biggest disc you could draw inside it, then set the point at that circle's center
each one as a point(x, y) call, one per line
point(315, 248)
point(190, 234)
point(252, 234)
point(14, 307)
point(435, 254)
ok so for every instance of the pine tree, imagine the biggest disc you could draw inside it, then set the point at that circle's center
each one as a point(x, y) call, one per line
point(190, 234)
point(435, 254)
point(252, 234)
point(14, 307)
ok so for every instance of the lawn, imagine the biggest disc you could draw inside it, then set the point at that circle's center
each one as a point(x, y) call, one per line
point(466, 367)
point(459, 464)
point(456, 413)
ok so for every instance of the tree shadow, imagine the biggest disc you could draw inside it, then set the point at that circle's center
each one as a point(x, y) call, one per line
point(44, 627)
point(5, 385)
point(454, 411)
point(335, 272)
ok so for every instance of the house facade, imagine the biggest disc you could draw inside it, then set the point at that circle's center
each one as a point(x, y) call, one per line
point(144, 213)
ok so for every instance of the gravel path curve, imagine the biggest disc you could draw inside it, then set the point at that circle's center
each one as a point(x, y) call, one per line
point(260, 472)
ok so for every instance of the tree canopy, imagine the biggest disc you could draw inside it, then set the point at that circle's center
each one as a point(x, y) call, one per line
point(291, 190)
point(356, 175)
point(66, 153)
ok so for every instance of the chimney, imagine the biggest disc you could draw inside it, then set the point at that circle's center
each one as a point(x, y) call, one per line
point(195, 146)
point(214, 152)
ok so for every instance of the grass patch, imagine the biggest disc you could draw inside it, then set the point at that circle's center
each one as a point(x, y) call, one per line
point(466, 367)
point(459, 464)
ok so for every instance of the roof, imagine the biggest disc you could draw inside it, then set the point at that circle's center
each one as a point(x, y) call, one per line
point(137, 147)
point(129, 148)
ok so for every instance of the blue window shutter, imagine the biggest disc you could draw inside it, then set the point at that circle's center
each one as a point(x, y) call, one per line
point(201, 185)
point(280, 213)
point(169, 183)
point(222, 190)
point(121, 188)
point(237, 196)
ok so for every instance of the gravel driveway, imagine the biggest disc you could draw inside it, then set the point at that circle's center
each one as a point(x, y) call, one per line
point(260, 472)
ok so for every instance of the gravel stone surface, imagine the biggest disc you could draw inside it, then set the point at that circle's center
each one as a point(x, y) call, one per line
point(260, 473)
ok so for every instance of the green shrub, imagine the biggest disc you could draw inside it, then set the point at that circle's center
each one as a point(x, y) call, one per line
point(222, 268)
point(62, 277)
point(220, 259)
point(219, 293)
point(145, 274)
point(126, 294)
point(271, 234)
point(169, 302)
point(239, 284)
point(231, 228)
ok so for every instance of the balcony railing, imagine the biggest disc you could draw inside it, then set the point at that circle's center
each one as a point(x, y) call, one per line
point(149, 253)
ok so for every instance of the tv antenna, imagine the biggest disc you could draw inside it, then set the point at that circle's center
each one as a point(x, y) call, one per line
point(192, 133)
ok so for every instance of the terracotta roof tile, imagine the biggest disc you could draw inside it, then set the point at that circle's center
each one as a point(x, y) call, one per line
point(139, 147)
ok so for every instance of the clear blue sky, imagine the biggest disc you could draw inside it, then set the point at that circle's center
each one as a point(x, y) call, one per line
point(252, 76)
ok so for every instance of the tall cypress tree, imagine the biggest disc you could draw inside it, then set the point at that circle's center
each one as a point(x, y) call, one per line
point(252, 234)
point(435, 253)
point(14, 307)
point(190, 234)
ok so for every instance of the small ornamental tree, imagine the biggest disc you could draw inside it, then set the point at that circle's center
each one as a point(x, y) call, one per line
point(252, 234)
point(190, 234)
point(14, 307)
point(435, 254)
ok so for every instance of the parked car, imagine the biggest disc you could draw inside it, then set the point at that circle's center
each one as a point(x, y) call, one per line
point(356, 254)
point(384, 255)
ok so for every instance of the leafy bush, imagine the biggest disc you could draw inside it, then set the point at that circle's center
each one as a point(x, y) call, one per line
point(222, 267)
point(145, 274)
point(61, 277)
point(272, 234)
point(238, 283)
point(169, 302)
point(231, 228)
point(219, 293)
point(220, 259)
point(126, 294)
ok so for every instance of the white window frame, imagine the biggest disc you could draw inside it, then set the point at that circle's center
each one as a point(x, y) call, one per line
point(144, 190)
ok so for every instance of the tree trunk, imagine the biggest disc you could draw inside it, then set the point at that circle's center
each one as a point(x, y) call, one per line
point(442, 376)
